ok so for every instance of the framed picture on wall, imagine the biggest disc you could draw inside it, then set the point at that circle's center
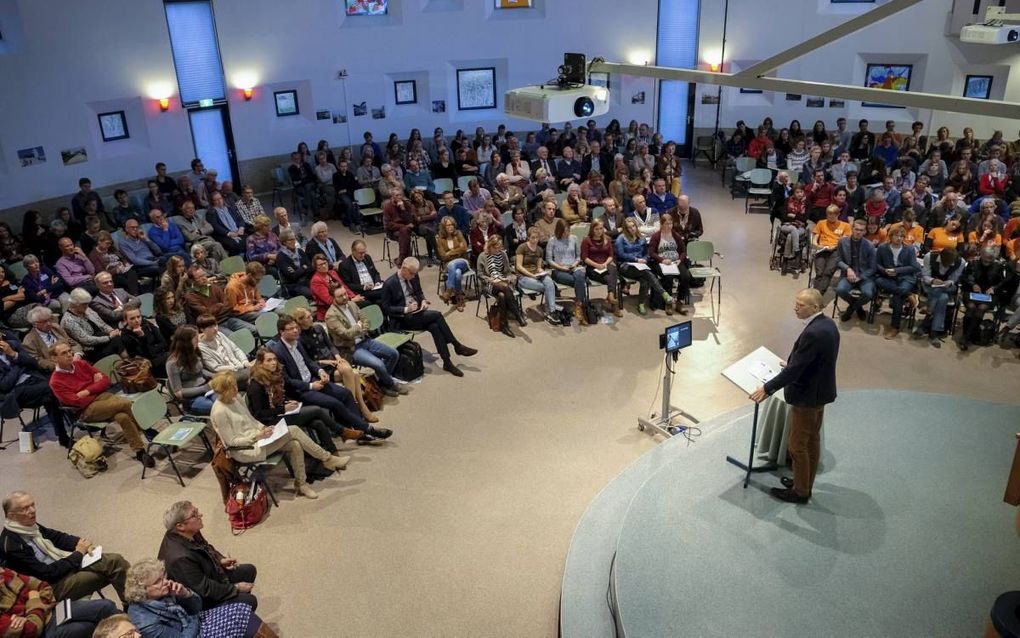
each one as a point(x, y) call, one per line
point(113, 126)
point(750, 91)
point(514, 4)
point(597, 78)
point(889, 77)
point(405, 91)
point(978, 86)
point(286, 103)
point(476, 89)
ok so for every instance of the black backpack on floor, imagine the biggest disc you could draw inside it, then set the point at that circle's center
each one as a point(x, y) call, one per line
point(409, 364)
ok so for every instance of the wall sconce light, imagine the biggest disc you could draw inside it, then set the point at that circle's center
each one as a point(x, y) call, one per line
point(713, 58)
point(247, 93)
point(164, 104)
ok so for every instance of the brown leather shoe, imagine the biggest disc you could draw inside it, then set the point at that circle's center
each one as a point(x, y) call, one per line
point(350, 434)
point(891, 333)
point(579, 314)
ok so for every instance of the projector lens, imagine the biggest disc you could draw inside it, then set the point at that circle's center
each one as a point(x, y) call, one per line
point(584, 107)
point(1013, 35)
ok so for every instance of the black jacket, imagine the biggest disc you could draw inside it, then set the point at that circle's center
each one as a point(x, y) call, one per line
point(150, 345)
point(313, 249)
point(259, 405)
point(810, 373)
point(291, 376)
point(294, 272)
point(349, 273)
point(197, 568)
point(393, 295)
point(19, 556)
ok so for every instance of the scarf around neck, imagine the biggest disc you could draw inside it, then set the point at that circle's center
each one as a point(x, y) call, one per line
point(34, 535)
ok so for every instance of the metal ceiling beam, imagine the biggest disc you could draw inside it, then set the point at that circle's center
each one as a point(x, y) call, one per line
point(911, 99)
point(856, 24)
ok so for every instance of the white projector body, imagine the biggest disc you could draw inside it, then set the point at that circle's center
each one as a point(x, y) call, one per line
point(553, 104)
point(986, 34)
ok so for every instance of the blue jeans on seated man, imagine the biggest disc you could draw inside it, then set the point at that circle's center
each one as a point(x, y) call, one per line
point(577, 279)
point(233, 324)
point(938, 302)
point(379, 357)
point(865, 286)
point(897, 289)
point(545, 285)
point(340, 402)
point(455, 274)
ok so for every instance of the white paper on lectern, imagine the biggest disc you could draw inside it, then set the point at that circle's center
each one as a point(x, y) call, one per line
point(746, 373)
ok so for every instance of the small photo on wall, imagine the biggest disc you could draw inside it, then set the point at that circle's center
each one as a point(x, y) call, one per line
point(74, 156)
point(793, 97)
point(815, 102)
point(837, 104)
point(638, 98)
point(286, 103)
point(379, 113)
point(439, 106)
point(323, 115)
point(32, 156)
point(709, 98)
point(360, 109)
point(339, 118)
point(978, 86)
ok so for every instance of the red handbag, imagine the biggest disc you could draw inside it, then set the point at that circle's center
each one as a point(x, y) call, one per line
point(245, 511)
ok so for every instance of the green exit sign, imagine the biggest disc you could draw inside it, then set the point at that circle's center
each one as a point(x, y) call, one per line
point(205, 103)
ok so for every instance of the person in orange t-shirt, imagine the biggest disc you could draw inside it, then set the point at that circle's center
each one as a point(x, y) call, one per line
point(824, 239)
point(949, 236)
point(914, 233)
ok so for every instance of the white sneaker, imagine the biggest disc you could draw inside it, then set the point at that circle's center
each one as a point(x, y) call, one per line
point(306, 491)
point(336, 462)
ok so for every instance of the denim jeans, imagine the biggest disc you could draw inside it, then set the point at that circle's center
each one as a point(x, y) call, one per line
point(866, 286)
point(455, 273)
point(898, 289)
point(576, 278)
point(545, 285)
point(938, 301)
point(379, 357)
point(233, 324)
point(201, 405)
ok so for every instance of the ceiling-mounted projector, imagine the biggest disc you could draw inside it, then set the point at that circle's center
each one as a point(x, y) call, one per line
point(550, 103)
point(987, 34)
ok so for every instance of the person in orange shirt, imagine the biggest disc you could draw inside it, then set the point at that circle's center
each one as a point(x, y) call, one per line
point(914, 234)
point(242, 292)
point(987, 237)
point(950, 236)
point(874, 231)
point(1013, 249)
point(824, 238)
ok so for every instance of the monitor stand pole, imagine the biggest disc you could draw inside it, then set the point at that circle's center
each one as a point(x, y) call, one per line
point(662, 422)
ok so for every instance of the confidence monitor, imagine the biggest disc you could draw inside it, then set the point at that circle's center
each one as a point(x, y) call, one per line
point(676, 338)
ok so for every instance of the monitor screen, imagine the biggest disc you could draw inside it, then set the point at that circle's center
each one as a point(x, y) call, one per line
point(678, 336)
point(367, 7)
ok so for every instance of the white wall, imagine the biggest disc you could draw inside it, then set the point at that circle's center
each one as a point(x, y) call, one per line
point(915, 35)
point(68, 59)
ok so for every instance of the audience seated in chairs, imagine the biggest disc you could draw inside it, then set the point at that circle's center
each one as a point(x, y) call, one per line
point(148, 259)
point(143, 339)
point(563, 258)
point(262, 245)
point(53, 556)
point(294, 266)
point(106, 257)
point(856, 261)
point(169, 311)
point(175, 276)
point(242, 293)
point(359, 273)
point(398, 222)
point(453, 250)
point(241, 433)
point(73, 267)
point(27, 608)
point(268, 403)
point(324, 280)
point(667, 248)
point(405, 304)
point(165, 234)
point(197, 231)
point(631, 251)
point(228, 225)
point(529, 259)
point(45, 334)
point(322, 244)
point(600, 263)
point(219, 353)
point(897, 270)
point(825, 239)
point(497, 275)
point(193, 562)
point(349, 333)
point(306, 381)
point(110, 303)
point(186, 376)
point(40, 285)
point(160, 606)
point(982, 276)
point(85, 326)
point(24, 384)
point(940, 282)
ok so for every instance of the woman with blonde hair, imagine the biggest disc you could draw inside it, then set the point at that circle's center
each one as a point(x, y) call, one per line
point(320, 347)
point(452, 249)
point(163, 608)
point(242, 434)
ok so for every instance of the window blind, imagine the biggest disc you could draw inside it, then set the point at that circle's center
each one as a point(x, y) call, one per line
point(196, 51)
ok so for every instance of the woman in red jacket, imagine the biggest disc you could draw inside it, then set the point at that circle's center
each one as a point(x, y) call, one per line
point(668, 250)
point(324, 282)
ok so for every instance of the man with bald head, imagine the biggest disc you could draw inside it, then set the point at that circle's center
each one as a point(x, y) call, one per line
point(809, 381)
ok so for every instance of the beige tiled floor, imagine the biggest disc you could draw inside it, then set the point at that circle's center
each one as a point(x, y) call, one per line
point(459, 525)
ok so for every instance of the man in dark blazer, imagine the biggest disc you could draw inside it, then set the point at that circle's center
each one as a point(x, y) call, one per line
point(604, 165)
point(359, 273)
point(856, 259)
point(305, 381)
point(23, 384)
point(568, 169)
point(405, 304)
point(897, 275)
point(228, 226)
point(809, 380)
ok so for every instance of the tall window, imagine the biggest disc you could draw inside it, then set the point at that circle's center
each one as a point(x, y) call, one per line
point(676, 46)
point(196, 51)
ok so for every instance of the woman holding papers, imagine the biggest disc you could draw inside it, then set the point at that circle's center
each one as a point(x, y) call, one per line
point(249, 441)
point(631, 251)
point(668, 252)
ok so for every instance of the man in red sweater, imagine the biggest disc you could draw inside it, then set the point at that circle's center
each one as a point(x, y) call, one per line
point(819, 196)
point(79, 385)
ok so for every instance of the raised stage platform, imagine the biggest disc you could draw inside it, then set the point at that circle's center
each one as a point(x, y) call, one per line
point(906, 535)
